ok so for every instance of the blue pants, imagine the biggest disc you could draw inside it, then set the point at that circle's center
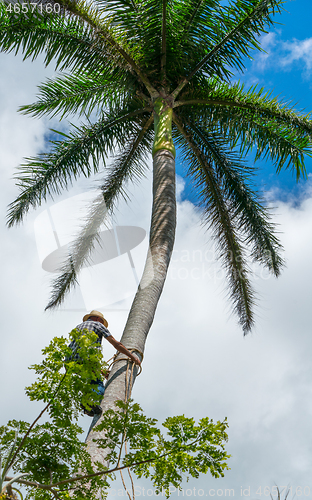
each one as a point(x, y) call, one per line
point(100, 386)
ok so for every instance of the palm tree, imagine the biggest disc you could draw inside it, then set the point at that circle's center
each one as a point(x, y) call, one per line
point(165, 65)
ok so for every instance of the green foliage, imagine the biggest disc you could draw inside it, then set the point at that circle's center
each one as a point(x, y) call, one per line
point(232, 209)
point(53, 450)
point(79, 153)
point(5, 461)
point(69, 380)
point(51, 455)
point(251, 118)
point(188, 449)
point(80, 93)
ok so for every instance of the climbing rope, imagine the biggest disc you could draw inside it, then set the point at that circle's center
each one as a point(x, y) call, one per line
point(114, 359)
point(127, 396)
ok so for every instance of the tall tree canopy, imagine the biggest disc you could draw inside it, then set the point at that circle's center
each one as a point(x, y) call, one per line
point(143, 65)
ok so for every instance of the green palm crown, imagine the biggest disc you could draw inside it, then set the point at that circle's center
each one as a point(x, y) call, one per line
point(157, 74)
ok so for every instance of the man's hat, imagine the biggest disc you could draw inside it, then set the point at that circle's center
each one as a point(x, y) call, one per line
point(95, 313)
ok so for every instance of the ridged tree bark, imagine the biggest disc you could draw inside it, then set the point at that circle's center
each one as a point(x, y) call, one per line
point(162, 235)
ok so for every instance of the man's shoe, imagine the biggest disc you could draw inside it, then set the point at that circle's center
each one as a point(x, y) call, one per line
point(94, 410)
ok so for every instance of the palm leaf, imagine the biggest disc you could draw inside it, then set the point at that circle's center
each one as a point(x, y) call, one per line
point(81, 93)
point(238, 27)
point(273, 129)
point(80, 42)
point(283, 146)
point(246, 209)
point(114, 39)
point(49, 173)
point(66, 41)
point(128, 166)
point(256, 101)
point(218, 218)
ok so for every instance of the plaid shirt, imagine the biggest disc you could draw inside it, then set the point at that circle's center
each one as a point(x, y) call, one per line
point(91, 326)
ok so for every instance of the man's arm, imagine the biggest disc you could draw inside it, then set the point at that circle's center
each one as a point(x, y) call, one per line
point(121, 348)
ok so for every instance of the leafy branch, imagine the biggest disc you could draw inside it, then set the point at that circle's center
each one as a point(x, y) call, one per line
point(56, 461)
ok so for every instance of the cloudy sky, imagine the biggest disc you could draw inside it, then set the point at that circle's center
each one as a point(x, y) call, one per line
point(197, 361)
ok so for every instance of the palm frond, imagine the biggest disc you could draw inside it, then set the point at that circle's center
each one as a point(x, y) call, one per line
point(192, 12)
point(193, 26)
point(273, 130)
point(217, 216)
point(50, 173)
point(163, 58)
point(128, 166)
point(282, 145)
point(148, 31)
point(245, 207)
point(66, 41)
point(181, 48)
point(256, 100)
point(79, 42)
point(83, 10)
point(115, 40)
point(124, 16)
point(117, 8)
point(238, 27)
point(81, 93)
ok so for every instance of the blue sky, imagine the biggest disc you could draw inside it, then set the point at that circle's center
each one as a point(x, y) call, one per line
point(285, 69)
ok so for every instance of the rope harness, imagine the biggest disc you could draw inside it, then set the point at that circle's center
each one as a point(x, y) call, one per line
point(114, 358)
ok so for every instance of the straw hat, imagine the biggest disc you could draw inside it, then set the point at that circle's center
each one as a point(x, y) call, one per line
point(95, 313)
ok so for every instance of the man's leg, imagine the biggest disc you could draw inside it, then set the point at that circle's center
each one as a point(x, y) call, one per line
point(96, 409)
point(100, 386)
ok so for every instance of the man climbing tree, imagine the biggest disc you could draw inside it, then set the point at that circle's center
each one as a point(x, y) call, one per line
point(50, 460)
point(96, 323)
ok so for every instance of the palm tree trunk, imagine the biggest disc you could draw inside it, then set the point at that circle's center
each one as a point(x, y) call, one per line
point(140, 319)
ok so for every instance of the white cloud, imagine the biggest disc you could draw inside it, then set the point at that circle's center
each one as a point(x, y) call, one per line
point(268, 44)
point(280, 54)
point(298, 50)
